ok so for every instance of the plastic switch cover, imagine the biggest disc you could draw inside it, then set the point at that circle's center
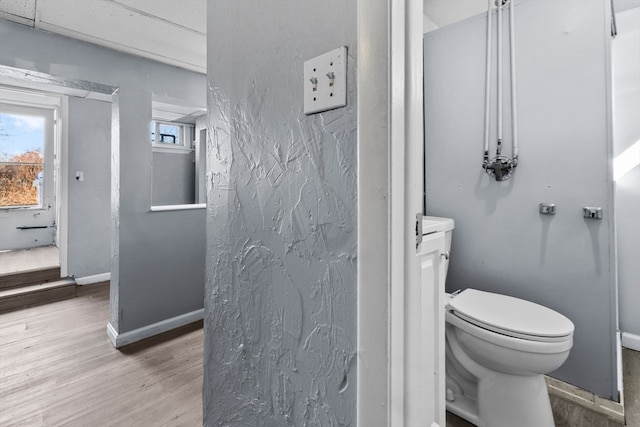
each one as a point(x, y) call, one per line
point(325, 81)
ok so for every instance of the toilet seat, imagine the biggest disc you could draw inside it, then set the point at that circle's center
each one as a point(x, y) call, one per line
point(510, 316)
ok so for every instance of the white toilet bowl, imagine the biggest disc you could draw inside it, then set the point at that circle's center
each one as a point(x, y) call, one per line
point(498, 349)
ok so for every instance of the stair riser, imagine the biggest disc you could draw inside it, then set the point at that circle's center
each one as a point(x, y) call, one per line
point(45, 296)
point(29, 278)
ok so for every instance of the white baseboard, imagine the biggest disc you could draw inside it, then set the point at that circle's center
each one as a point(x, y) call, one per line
point(96, 278)
point(120, 340)
point(631, 341)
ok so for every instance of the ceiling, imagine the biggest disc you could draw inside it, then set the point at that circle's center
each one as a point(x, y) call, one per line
point(173, 31)
point(169, 31)
point(445, 12)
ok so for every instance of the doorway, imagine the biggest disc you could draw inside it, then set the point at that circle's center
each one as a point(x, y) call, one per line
point(29, 140)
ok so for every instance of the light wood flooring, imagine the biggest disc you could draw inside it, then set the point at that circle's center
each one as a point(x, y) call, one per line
point(58, 368)
point(29, 259)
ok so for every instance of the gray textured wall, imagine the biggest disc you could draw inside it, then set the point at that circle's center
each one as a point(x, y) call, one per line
point(157, 258)
point(280, 302)
point(89, 204)
point(501, 243)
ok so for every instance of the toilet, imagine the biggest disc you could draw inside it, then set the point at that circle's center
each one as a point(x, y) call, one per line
point(498, 349)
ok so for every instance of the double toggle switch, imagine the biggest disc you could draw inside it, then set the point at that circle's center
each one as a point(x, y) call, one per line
point(325, 81)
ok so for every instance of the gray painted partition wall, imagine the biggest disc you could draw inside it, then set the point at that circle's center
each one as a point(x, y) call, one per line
point(174, 179)
point(89, 201)
point(501, 243)
point(158, 264)
point(280, 308)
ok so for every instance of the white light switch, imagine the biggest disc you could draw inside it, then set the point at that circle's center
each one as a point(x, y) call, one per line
point(79, 176)
point(325, 81)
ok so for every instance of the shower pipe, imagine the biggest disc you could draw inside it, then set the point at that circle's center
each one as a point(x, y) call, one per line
point(499, 75)
point(487, 90)
point(514, 111)
point(500, 167)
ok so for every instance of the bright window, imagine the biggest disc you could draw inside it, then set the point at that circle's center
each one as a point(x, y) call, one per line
point(22, 147)
point(170, 135)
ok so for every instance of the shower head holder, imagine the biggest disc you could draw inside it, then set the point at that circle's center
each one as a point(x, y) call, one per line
point(500, 167)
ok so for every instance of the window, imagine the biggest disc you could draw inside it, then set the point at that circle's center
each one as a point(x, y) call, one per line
point(171, 136)
point(22, 148)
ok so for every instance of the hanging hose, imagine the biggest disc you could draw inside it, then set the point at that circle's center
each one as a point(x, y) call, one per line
point(500, 167)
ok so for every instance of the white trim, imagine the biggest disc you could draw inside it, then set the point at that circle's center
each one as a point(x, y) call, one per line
point(398, 146)
point(631, 341)
point(374, 221)
point(120, 340)
point(390, 142)
point(95, 278)
point(178, 207)
point(170, 148)
point(112, 335)
point(18, 19)
point(62, 202)
point(29, 97)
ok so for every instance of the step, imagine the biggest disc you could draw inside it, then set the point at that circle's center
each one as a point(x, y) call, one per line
point(29, 277)
point(42, 293)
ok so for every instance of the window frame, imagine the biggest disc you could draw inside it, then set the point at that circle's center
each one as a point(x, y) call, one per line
point(38, 105)
point(183, 146)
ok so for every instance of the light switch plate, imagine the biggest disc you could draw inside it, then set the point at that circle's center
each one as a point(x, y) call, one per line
point(325, 81)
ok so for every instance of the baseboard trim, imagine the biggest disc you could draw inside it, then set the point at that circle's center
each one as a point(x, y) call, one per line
point(631, 341)
point(120, 340)
point(96, 278)
point(586, 399)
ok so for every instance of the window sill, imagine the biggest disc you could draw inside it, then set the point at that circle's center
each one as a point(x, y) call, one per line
point(178, 207)
point(156, 148)
point(25, 208)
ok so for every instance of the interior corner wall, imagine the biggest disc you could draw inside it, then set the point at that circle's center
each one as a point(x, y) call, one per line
point(158, 259)
point(501, 243)
point(280, 303)
point(626, 133)
point(88, 223)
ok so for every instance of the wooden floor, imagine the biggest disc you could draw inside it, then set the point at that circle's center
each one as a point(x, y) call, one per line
point(29, 259)
point(57, 368)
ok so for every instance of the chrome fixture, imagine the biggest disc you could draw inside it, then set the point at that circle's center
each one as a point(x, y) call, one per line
point(500, 167)
point(547, 208)
point(592, 212)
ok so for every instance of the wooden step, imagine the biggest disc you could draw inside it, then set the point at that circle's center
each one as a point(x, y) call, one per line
point(42, 293)
point(29, 277)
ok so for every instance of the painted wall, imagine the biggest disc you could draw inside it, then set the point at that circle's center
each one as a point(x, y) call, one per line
point(89, 151)
point(280, 304)
point(626, 133)
point(157, 258)
point(173, 179)
point(501, 243)
point(201, 157)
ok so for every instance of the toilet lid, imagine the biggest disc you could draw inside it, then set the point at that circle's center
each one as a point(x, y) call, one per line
point(510, 316)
